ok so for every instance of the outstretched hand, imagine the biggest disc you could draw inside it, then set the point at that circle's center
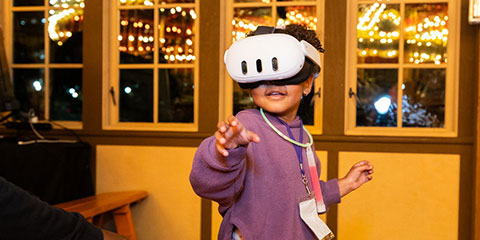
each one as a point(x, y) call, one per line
point(359, 174)
point(231, 134)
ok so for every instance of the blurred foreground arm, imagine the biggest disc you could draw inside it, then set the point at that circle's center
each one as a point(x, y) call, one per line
point(24, 216)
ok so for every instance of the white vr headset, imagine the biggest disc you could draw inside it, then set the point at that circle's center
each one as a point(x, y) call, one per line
point(271, 57)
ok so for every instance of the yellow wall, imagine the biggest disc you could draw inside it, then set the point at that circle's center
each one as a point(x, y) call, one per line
point(172, 210)
point(412, 196)
point(217, 218)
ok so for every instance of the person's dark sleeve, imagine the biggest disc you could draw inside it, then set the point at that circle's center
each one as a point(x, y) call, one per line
point(24, 216)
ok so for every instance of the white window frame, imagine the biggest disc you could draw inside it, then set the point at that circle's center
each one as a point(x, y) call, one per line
point(111, 68)
point(46, 66)
point(450, 128)
point(226, 83)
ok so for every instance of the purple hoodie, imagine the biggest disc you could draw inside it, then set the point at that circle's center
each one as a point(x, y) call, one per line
point(259, 186)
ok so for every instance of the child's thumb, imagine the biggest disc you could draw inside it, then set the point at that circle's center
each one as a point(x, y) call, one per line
point(252, 137)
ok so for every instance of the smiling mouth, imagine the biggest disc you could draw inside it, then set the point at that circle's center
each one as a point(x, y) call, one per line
point(275, 93)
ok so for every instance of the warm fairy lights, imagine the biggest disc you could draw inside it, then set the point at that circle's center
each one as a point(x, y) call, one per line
point(175, 35)
point(427, 40)
point(374, 41)
point(136, 2)
point(62, 23)
point(247, 23)
point(297, 17)
point(425, 34)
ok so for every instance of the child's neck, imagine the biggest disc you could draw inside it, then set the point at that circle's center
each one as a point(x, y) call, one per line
point(287, 116)
point(288, 120)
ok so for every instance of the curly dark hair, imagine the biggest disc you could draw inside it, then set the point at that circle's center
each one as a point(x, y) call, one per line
point(300, 32)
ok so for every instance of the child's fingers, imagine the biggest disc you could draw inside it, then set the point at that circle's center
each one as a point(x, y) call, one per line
point(221, 149)
point(220, 137)
point(220, 143)
point(222, 127)
point(364, 162)
point(252, 137)
point(233, 122)
point(362, 168)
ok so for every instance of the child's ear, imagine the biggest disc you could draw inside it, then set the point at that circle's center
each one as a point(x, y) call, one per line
point(308, 85)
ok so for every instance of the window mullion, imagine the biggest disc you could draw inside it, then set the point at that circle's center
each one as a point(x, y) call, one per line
point(401, 68)
point(274, 13)
point(46, 76)
point(156, 39)
point(116, 63)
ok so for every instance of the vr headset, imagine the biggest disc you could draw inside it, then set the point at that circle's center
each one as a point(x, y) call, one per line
point(276, 57)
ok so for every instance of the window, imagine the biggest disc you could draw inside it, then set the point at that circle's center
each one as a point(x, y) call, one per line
point(152, 66)
point(402, 67)
point(46, 56)
point(244, 16)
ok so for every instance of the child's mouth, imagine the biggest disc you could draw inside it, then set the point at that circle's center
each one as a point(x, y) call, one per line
point(275, 94)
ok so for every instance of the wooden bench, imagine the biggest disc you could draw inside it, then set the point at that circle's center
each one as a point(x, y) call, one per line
point(118, 203)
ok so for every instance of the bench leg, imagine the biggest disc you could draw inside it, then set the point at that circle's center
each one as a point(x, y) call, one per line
point(98, 220)
point(124, 222)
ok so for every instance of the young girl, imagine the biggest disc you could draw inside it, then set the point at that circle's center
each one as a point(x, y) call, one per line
point(256, 166)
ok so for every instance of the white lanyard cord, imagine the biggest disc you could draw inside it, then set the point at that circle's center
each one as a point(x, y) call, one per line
point(305, 145)
point(321, 208)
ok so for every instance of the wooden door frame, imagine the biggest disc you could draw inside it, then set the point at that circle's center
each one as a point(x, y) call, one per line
point(476, 213)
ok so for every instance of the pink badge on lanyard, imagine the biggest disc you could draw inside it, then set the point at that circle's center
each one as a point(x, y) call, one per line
point(315, 181)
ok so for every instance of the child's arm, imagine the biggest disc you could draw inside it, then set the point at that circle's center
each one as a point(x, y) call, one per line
point(359, 174)
point(218, 168)
point(231, 134)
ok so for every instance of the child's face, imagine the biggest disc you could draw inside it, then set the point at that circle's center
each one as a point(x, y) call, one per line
point(283, 101)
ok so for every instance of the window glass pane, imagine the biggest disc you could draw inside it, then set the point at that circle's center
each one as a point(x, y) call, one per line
point(30, 90)
point(257, 1)
point(176, 35)
point(295, 0)
point(305, 15)
point(136, 36)
point(175, 95)
point(19, 3)
point(241, 99)
point(423, 102)
point(65, 30)
point(136, 2)
point(247, 19)
point(67, 3)
point(426, 33)
point(175, 1)
point(136, 95)
point(28, 37)
point(66, 94)
point(378, 33)
point(377, 97)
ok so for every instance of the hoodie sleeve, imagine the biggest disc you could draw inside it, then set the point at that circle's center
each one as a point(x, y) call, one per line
point(216, 177)
point(330, 191)
point(24, 216)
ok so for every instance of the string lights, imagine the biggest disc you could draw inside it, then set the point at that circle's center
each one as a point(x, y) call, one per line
point(175, 34)
point(61, 23)
point(425, 33)
point(246, 20)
